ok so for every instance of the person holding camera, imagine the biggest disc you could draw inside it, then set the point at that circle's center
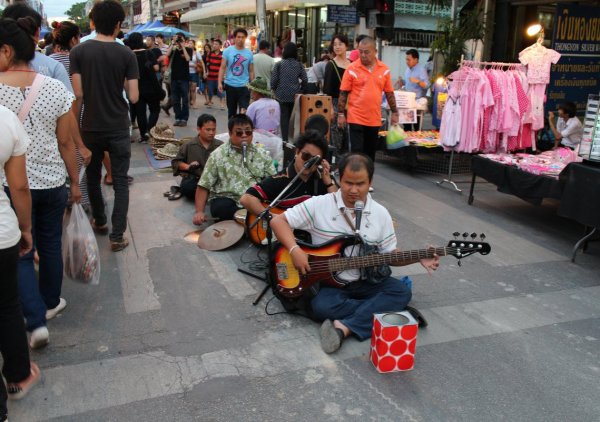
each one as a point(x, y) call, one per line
point(179, 56)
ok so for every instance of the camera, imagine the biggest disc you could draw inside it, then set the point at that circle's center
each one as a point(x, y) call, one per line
point(179, 39)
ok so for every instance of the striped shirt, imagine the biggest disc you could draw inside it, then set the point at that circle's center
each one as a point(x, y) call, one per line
point(64, 59)
point(214, 64)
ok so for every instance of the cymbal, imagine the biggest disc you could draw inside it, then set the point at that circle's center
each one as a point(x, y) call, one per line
point(220, 235)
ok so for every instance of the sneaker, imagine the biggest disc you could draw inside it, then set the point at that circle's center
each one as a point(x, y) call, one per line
point(39, 338)
point(18, 390)
point(119, 245)
point(182, 123)
point(100, 228)
point(51, 313)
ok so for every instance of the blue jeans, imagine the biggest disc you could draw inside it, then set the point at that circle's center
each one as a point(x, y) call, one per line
point(180, 91)
point(355, 305)
point(47, 210)
point(118, 145)
point(212, 87)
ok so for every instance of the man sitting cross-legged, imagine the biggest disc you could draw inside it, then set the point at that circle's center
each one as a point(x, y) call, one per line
point(193, 155)
point(348, 310)
point(230, 170)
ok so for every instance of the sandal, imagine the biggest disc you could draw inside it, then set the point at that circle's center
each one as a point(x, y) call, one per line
point(18, 390)
point(175, 196)
point(171, 191)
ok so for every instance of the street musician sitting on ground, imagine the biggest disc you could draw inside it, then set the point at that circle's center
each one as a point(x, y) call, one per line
point(348, 310)
point(308, 145)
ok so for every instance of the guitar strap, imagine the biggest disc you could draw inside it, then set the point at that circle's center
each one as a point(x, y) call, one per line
point(350, 223)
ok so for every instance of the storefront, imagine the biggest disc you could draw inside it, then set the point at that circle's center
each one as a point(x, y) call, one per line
point(281, 16)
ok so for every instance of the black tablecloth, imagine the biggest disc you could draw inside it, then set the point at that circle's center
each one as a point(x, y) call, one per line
point(509, 179)
point(580, 200)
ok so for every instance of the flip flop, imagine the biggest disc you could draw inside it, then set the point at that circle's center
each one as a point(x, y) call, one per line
point(171, 191)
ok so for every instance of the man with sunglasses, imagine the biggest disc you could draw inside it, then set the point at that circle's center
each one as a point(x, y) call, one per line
point(230, 170)
point(310, 183)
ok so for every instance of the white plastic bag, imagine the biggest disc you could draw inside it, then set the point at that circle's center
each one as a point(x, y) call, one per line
point(81, 258)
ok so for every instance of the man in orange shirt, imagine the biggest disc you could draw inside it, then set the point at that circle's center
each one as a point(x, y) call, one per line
point(360, 97)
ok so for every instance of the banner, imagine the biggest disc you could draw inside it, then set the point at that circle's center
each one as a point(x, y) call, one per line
point(576, 37)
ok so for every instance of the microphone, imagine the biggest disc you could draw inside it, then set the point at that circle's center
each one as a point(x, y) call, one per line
point(358, 209)
point(244, 152)
point(320, 171)
point(315, 160)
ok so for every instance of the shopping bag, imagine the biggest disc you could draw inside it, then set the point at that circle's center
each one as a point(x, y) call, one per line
point(395, 137)
point(81, 258)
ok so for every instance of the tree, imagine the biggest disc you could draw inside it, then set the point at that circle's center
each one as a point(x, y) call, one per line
point(78, 15)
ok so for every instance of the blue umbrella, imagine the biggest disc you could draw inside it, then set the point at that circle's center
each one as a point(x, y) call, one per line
point(168, 30)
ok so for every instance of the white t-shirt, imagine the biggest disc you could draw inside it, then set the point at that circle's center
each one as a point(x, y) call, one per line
point(14, 143)
point(322, 217)
point(45, 166)
point(570, 130)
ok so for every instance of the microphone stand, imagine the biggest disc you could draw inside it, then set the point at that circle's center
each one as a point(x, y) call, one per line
point(268, 216)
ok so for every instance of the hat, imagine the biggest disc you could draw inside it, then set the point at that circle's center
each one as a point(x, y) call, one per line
point(259, 85)
point(169, 150)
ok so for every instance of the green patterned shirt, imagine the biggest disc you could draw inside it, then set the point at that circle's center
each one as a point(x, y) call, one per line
point(226, 176)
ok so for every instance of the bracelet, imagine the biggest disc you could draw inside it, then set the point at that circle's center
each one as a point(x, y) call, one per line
point(292, 248)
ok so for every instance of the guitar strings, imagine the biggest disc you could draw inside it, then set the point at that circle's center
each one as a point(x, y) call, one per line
point(329, 266)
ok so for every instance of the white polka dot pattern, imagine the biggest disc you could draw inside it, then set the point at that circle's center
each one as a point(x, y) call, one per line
point(45, 166)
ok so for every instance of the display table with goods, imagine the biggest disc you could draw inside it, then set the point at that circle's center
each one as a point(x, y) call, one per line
point(554, 174)
point(421, 151)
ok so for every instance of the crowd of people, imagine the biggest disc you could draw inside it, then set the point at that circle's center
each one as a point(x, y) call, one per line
point(64, 117)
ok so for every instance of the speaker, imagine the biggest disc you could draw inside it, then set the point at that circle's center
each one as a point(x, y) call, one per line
point(316, 112)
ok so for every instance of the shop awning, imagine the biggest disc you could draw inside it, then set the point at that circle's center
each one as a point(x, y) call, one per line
point(240, 7)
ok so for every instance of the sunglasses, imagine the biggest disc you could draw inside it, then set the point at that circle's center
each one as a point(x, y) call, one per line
point(246, 132)
point(306, 156)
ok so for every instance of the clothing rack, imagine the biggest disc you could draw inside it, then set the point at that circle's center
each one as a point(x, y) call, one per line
point(473, 64)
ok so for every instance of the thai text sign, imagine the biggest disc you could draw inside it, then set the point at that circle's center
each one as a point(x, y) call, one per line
point(576, 37)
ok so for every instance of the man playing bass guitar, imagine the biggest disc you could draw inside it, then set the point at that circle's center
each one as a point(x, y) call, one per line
point(348, 310)
point(308, 145)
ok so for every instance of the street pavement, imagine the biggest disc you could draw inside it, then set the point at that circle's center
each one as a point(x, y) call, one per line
point(170, 333)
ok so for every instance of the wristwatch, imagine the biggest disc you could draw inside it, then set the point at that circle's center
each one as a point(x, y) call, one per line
point(330, 185)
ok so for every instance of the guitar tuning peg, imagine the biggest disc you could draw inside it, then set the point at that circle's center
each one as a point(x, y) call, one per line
point(456, 234)
point(465, 235)
point(473, 236)
point(482, 237)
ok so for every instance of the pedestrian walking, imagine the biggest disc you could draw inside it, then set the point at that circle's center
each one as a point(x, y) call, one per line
point(213, 66)
point(236, 71)
point(105, 123)
point(44, 105)
point(288, 79)
point(15, 240)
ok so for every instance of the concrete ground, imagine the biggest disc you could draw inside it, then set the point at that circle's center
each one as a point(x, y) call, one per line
point(170, 332)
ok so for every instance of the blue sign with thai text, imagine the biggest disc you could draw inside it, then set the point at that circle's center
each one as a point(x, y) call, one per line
point(342, 14)
point(576, 37)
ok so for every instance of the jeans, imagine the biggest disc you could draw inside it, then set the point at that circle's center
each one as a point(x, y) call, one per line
point(188, 187)
point(363, 139)
point(13, 339)
point(118, 145)
point(236, 97)
point(286, 113)
point(355, 305)
point(47, 210)
point(180, 94)
point(145, 123)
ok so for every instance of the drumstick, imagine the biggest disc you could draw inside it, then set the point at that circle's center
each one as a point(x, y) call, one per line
point(212, 218)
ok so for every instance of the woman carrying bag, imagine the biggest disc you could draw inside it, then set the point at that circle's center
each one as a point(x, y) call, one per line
point(334, 72)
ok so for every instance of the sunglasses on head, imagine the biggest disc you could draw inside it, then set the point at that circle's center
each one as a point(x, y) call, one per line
point(242, 132)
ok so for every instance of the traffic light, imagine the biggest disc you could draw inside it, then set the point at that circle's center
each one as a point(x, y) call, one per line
point(363, 6)
point(385, 13)
point(385, 19)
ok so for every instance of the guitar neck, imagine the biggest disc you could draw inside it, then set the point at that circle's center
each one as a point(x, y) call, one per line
point(374, 260)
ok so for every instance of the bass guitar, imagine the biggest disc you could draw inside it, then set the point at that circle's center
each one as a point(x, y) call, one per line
point(326, 260)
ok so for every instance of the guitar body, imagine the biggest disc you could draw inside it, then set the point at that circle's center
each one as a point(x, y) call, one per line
point(292, 284)
point(258, 233)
